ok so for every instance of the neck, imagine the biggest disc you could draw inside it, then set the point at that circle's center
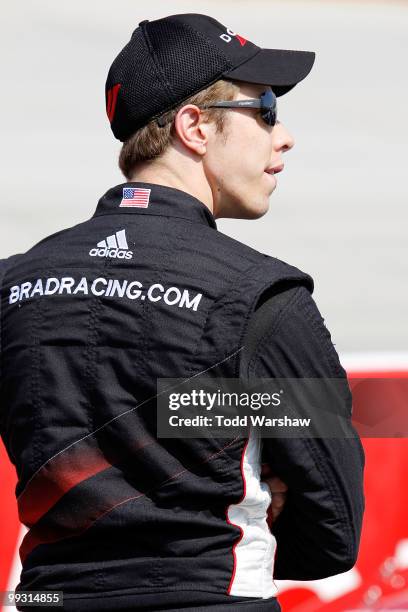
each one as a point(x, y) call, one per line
point(185, 175)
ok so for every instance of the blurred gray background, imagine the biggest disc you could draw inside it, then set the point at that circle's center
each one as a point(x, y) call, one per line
point(340, 209)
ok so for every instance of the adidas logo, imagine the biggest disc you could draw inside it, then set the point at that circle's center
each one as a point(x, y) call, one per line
point(114, 246)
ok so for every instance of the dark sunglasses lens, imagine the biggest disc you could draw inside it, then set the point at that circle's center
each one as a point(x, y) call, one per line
point(267, 98)
point(268, 109)
point(269, 116)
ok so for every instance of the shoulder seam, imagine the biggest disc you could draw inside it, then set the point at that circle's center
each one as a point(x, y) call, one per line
point(325, 339)
point(293, 300)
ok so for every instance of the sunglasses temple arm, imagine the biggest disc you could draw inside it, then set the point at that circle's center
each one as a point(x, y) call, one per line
point(236, 104)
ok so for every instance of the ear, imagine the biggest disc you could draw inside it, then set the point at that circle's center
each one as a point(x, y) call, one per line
point(190, 128)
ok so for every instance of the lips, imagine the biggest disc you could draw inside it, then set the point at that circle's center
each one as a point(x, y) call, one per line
point(275, 169)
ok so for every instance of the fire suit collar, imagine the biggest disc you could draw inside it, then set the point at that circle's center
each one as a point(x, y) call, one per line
point(151, 199)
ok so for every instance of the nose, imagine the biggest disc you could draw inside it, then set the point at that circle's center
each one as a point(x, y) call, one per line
point(282, 139)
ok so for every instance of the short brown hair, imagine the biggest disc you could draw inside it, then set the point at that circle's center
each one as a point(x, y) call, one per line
point(150, 141)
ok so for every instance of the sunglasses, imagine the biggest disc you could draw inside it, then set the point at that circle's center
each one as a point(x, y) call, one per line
point(266, 103)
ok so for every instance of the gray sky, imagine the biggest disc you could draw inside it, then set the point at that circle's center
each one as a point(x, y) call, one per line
point(340, 209)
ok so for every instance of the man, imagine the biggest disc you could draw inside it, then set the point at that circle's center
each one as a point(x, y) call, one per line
point(93, 316)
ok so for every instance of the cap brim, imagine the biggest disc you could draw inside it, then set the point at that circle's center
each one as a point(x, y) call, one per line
point(279, 68)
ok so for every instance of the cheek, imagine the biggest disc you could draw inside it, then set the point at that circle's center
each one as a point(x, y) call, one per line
point(254, 154)
point(242, 159)
point(246, 158)
point(233, 161)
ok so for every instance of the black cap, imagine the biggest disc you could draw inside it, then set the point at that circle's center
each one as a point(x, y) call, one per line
point(170, 59)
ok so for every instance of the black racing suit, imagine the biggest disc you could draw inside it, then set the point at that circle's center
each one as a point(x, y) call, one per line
point(91, 318)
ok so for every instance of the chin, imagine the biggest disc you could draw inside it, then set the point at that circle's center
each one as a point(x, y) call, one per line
point(259, 209)
point(258, 213)
point(253, 212)
point(242, 214)
point(246, 209)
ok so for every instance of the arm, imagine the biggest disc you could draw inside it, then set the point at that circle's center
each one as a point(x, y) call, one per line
point(318, 530)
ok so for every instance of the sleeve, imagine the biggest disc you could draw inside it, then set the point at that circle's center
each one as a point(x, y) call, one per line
point(318, 531)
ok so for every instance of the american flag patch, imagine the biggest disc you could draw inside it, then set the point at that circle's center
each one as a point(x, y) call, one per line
point(135, 197)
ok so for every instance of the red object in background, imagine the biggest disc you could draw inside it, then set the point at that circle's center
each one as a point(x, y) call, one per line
point(9, 523)
point(385, 524)
point(384, 586)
